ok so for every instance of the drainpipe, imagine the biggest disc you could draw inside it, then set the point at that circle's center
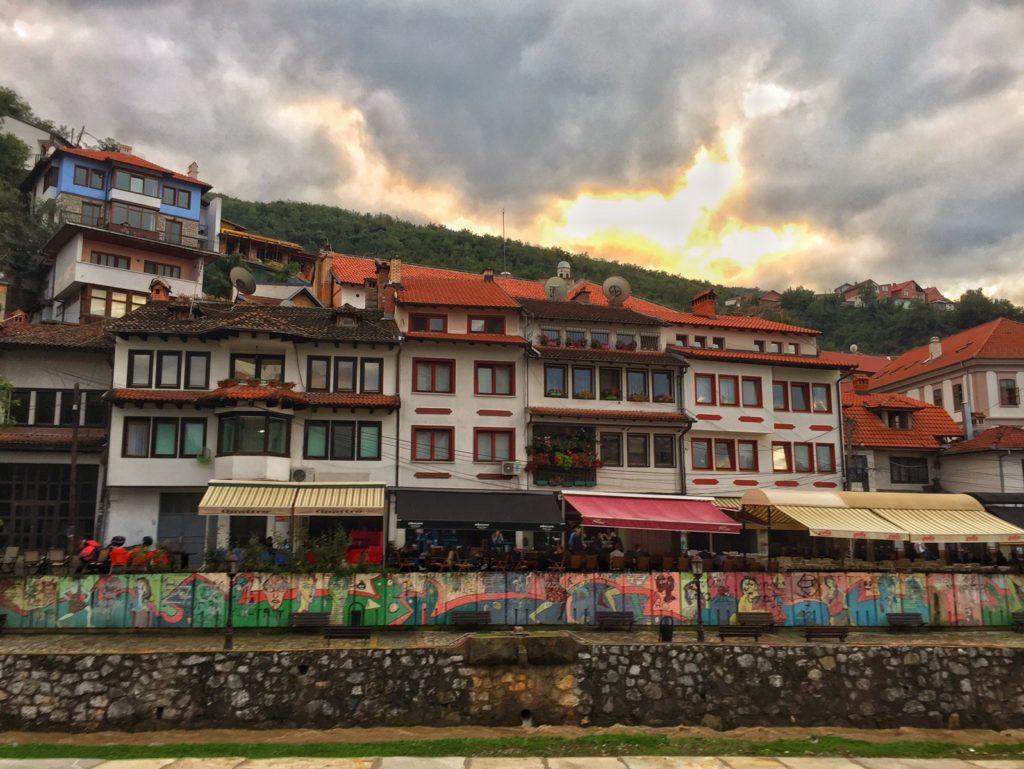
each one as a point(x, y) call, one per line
point(687, 426)
point(965, 408)
point(398, 413)
point(842, 437)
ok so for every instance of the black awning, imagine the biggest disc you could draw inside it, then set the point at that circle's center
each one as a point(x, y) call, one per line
point(479, 510)
point(1008, 506)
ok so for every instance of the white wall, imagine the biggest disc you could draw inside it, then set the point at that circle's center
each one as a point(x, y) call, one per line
point(879, 470)
point(983, 471)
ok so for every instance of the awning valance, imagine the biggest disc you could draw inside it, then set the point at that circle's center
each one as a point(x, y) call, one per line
point(478, 510)
point(340, 499)
point(1008, 506)
point(269, 498)
point(843, 522)
point(947, 526)
point(652, 511)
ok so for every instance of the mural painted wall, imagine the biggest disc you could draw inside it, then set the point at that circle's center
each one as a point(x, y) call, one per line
point(534, 598)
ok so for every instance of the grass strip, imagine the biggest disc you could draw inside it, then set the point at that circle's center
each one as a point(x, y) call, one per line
point(595, 745)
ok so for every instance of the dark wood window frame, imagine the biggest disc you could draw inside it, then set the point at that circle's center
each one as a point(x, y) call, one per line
point(646, 438)
point(326, 361)
point(609, 393)
point(121, 173)
point(91, 175)
point(593, 383)
point(647, 386)
point(671, 390)
point(103, 259)
point(338, 360)
point(267, 417)
point(126, 423)
point(132, 355)
point(416, 317)
point(665, 439)
point(189, 357)
point(757, 464)
point(322, 423)
point(175, 197)
point(181, 434)
point(261, 359)
point(153, 433)
point(616, 438)
point(161, 355)
point(162, 269)
point(363, 362)
point(486, 319)
point(565, 380)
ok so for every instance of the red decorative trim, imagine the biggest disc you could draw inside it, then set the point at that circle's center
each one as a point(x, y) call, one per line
point(705, 481)
point(491, 477)
point(825, 484)
point(491, 413)
point(752, 419)
point(432, 475)
point(744, 483)
point(787, 483)
point(784, 426)
point(822, 428)
point(709, 417)
point(424, 410)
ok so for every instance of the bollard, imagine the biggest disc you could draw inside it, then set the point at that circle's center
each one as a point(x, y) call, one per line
point(665, 630)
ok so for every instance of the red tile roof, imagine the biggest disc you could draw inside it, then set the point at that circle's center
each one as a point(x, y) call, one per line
point(353, 400)
point(57, 336)
point(929, 423)
point(546, 309)
point(29, 436)
point(135, 395)
point(419, 290)
point(130, 160)
point(865, 364)
point(622, 357)
point(1000, 339)
point(994, 439)
point(744, 356)
point(265, 393)
point(932, 294)
point(443, 336)
point(599, 414)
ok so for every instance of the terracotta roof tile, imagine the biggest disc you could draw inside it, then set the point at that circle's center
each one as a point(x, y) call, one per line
point(131, 160)
point(263, 393)
point(865, 364)
point(599, 414)
point(19, 436)
point(994, 439)
point(444, 336)
point(588, 313)
point(1000, 339)
point(136, 395)
point(353, 400)
point(622, 357)
point(744, 356)
point(419, 290)
point(57, 336)
point(929, 423)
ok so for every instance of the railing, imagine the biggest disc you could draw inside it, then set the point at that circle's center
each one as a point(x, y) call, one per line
point(104, 223)
point(558, 476)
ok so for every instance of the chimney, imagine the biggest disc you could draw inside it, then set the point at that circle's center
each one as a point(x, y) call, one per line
point(323, 279)
point(18, 318)
point(704, 303)
point(370, 292)
point(386, 286)
point(860, 383)
point(934, 348)
point(125, 149)
point(488, 274)
point(193, 170)
point(159, 291)
point(395, 271)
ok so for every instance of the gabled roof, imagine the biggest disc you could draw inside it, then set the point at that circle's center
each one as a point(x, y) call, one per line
point(589, 313)
point(1000, 339)
point(865, 364)
point(929, 423)
point(474, 294)
point(89, 337)
point(130, 160)
point(737, 322)
point(932, 294)
point(1003, 438)
point(769, 358)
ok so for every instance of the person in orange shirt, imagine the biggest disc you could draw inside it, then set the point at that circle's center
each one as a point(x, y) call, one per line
point(119, 554)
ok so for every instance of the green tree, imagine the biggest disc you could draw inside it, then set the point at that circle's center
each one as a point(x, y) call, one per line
point(797, 299)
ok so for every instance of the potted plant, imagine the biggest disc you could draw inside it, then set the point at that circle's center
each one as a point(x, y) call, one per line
point(611, 394)
point(664, 399)
point(586, 395)
point(637, 397)
point(227, 383)
point(554, 392)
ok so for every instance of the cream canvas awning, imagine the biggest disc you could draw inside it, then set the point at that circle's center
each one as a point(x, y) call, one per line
point(340, 499)
point(843, 522)
point(947, 526)
point(269, 498)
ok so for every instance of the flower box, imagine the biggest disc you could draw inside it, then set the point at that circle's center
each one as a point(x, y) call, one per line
point(555, 393)
point(638, 398)
point(611, 394)
point(664, 399)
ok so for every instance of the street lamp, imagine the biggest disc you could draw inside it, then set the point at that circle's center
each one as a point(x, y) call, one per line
point(229, 625)
point(697, 564)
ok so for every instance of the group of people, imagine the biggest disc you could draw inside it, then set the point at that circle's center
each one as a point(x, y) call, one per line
point(93, 557)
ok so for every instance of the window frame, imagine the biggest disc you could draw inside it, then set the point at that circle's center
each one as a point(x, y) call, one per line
point(617, 439)
point(128, 208)
point(189, 357)
point(418, 316)
point(810, 457)
point(700, 341)
point(493, 431)
point(328, 365)
point(267, 417)
point(647, 386)
point(326, 425)
point(565, 380)
point(158, 371)
point(90, 220)
point(485, 318)
point(832, 457)
point(101, 259)
point(89, 174)
point(600, 385)
point(788, 454)
point(588, 370)
point(713, 379)
point(125, 424)
point(494, 365)
point(181, 434)
point(175, 422)
point(785, 395)
point(1013, 391)
point(261, 359)
point(362, 375)
point(433, 363)
point(360, 425)
point(144, 178)
point(132, 355)
point(958, 402)
point(646, 438)
point(161, 269)
point(904, 475)
point(735, 390)
point(805, 387)
point(739, 454)
point(706, 443)
point(828, 398)
point(671, 389)
point(717, 343)
point(646, 342)
point(177, 192)
point(671, 440)
point(730, 444)
point(336, 378)
point(433, 430)
point(759, 385)
point(938, 397)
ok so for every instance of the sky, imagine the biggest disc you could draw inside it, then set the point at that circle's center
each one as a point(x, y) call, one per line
point(752, 143)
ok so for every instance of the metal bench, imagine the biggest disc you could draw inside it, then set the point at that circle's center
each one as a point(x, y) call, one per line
point(346, 631)
point(820, 632)
point(1017, 621)
point(740, 631)
point(614, 620)
point(759, 619)
point(468, 618)
point(899, 621)
point(309, 620)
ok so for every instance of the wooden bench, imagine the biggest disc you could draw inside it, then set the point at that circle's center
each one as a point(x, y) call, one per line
point(1017, 621)
point(309, 620)
point(346, 631)
point(614, 620)
point(904, 621)
point(469, 618)
point(818, 632)
point(759, 619)
point(740, 631)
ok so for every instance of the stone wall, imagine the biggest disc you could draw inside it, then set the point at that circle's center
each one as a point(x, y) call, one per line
point(715, 685)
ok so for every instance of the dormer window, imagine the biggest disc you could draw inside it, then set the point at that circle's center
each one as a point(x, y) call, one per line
point(776, 347)
point(600, 340)
point(437, 323)
point(899, 420)
point(759, 345)
point(625, 341)
point(650, 342)
point(487, 325)
point(700, 341)
point(551, 336)
point(575, 338)
point(718, 343)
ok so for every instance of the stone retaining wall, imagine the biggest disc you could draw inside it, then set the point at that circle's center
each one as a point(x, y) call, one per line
point(715, 685)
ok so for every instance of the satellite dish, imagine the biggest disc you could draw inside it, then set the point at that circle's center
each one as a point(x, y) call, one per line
point(556, 288)
point(854, 348)
point(616, 289)
point(243, 280)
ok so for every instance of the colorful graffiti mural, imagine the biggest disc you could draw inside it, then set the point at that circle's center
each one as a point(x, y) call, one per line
point(536, 598)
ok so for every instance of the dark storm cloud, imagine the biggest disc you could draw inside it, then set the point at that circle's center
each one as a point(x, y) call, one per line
point(903, 130)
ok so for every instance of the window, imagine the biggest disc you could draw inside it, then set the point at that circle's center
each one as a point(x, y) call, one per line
point(433, 376)
point(92, 214)
point(661, 387)
point(937, 396)
point(664, 451)
point(193, 437)
point(368, 447)
point(343, 440)
point(700, 341)
point(371, 375)
point(583, 382)
point(728, 394)
point(168, 369)
point(165, 438)
point(1009, 394)
point(136, 438)
point(782, 457)
point(776, 347)
point(140, 368)
point(164, 270)
point(575, 338)
point(95, 409)
point(137, 183)
point(495, 378)
point(700, 451)
point(344, 375)
point(780, 396)
point(432, 444)
point(798, 394)
point(555, 381)
point(958, 397)
point(428, 323)
point(683, 340)
point(494, 446)
point(600, 340)
point(636, 385)
point(794, 348)
point(625, 341)
point(90, 177)
point(899, 420)
point(705, 384)
point(821, 398)
point(110, 260)
point(550, 336)
point(265, 434)
point(725, 455)
point(50, 177)
point(46, 407)
point(318, 373)
point(636, 451)
point(746, 452)
point(118, 304)
point(718, 343)
point(803, 460)
point(825, 456)
point(857, 468)
point(750, 392)
point(177, 198)
point(650, 342)
point(269, 368)
point(133, 216)
point(67, 408)
point(611, 384)
point(759, 345)
point(611, 449)
point(359, 441)
point(315, 440)
point(18, 407)
point(908, 470)
point(487, 325)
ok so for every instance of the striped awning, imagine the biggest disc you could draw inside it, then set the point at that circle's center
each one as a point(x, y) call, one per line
point(726, 503)
point(340, 499)
point(948, 526)
point(247, 498)
point(843, 522)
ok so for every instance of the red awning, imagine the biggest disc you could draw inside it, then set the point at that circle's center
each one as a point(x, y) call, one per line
point(664, 513)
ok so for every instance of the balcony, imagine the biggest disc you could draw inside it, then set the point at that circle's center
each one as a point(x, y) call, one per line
point(559, 476)
point(123, 228)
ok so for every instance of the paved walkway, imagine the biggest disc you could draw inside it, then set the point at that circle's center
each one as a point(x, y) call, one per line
point(635, 762)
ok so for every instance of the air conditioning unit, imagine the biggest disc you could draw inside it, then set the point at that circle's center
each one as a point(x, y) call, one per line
point(303, 474)
point(510, 468)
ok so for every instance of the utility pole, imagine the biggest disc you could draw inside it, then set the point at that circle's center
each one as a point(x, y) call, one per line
point(73, 471)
